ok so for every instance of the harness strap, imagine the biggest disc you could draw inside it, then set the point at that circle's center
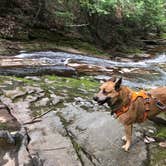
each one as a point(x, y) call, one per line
point(146, 96)
point(158, 103)
point(134, 96)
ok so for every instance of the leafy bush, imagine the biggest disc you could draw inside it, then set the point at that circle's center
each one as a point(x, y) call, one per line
point(144, 14)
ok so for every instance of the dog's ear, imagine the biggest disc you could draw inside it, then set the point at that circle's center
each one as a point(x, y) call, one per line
point(118, 84)
point(113, 79)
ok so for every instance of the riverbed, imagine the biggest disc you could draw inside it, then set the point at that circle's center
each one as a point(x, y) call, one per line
point(47, 97)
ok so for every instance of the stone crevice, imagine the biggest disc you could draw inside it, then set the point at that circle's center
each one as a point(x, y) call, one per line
point(74, 143)
point(35, 158)
point(92, 158)
point(77, 146)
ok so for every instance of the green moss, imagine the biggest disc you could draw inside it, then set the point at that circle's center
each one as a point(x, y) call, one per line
point(22, 79)
point(83, 46)
point(76, 85)
point(37, 33)
point(38, 112)
point(131, 50)
point(161, 132)
point(52, 77)
point(157, 155)
point(3, 126)
point(67, 88)
point(83, 83)
point(163, 35)
point(50, 41)
point(4, 78)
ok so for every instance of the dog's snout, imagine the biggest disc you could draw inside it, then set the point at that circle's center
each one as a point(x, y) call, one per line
point(95, 98)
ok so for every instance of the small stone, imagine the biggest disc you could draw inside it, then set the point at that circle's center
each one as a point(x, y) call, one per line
point(151, 131)
point(138, 134)
point(79, 99)
point(126, 70)
point(55, 99)
point(42, 102)
point(102, 77)
point(148, 140)
point(162, 144)
point(22, 51)
point(33, 78)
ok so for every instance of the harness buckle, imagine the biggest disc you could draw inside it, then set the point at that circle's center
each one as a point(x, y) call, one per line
point(147, 100)
point(160, 105)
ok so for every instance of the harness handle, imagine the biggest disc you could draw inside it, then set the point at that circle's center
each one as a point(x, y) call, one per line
point(158, 103)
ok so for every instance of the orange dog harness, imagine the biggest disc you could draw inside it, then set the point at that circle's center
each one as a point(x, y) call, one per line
point(134, 96)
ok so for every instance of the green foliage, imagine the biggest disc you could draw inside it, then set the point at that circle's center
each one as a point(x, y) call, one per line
point(143, 13)
point(98, 7)
point(65, 15)
point(161, 132)
point(104, 22)
point(154, 14)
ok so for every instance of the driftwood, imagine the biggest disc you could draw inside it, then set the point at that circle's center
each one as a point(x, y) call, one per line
point(36, 119)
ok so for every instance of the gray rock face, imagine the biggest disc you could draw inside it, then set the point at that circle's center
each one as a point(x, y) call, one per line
point(98, 136)
point(47, 146)
point(8, 145)
point(63, 132)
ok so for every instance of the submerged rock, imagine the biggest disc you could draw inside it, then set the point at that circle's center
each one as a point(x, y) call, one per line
point(33, 71)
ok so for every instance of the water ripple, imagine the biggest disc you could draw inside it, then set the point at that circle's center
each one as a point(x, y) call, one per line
point(156, 77)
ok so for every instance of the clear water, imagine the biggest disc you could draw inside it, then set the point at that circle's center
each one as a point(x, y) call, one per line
point(141, 74)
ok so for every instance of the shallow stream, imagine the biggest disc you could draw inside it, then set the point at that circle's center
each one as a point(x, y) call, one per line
point(137, 73)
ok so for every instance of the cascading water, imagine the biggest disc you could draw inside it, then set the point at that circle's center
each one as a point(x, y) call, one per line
point(143, 74)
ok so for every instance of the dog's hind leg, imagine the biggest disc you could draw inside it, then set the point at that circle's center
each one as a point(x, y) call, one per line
point(128, 135)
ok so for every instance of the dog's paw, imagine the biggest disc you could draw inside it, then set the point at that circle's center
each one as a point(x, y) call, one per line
point(124, 138)
point(126, 147)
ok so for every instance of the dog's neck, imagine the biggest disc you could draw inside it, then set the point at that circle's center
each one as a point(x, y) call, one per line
point(125, 95)
point(124, 98)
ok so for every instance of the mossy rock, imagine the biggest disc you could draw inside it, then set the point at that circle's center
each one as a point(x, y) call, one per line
point(157, 155)
point(161, 132)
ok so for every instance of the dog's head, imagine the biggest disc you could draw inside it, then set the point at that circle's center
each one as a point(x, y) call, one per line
point(109, 92)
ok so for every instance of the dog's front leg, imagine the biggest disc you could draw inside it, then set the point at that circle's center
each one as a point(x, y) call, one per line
point(128, 136)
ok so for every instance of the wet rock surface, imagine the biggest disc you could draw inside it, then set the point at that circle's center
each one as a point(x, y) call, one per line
point(50, 120)
point(59, 124)
point(98, 137)
point(8, 145)
point(138, 72)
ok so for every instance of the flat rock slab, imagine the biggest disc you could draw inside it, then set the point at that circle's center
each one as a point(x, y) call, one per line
point(7, 121)
point(99, 137)
point(67, 136)
point(8, 149)
point(38, 71)
point(48, 146)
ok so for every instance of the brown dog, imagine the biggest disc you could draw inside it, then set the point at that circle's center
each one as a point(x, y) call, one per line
point(129, 106)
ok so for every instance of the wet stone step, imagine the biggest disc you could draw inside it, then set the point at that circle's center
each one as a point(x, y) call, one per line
point(38, 71)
